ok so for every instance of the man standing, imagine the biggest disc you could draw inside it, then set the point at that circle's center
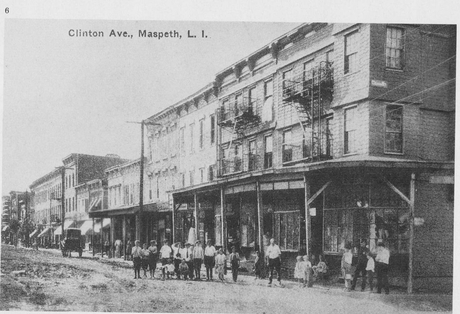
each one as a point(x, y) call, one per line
point(198, 256)
point(209, 255)
point(361, 266)
point(165, 254)
point(273, 255)
point(382, 261)
point(235, 263)
point(136, 253)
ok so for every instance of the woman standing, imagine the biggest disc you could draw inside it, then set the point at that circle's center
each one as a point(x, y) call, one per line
point(153, 258)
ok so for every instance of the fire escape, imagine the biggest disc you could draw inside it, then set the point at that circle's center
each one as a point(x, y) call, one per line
point(236, 117)
point(310, 94)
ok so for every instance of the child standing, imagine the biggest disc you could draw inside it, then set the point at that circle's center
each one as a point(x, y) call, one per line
point(308, 282)
point(347, 259)
point(235, 261)
point(299, 270)
point(370, 269)
point(220, 264)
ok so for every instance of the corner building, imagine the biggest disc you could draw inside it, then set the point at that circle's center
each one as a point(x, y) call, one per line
point(330, 134)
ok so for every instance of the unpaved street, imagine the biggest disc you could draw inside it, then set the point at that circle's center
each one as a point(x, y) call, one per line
point(52, 282)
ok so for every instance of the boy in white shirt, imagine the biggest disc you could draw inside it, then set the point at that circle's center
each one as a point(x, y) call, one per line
point(370, 269)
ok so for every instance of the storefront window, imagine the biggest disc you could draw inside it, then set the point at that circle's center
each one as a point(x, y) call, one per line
point(357, 209)
point(287, 230)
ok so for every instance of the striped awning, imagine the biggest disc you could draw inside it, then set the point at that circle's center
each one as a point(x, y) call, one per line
point(33, 233)
point(86, 226)
point(44, 232)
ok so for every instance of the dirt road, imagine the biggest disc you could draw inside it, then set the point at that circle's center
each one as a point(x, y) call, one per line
point(53, 283)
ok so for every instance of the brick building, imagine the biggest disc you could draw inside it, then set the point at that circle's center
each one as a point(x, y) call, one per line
point(62, 188)
point(328, 135)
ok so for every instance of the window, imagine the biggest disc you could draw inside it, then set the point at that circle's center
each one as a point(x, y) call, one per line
point(307, 74)
point(211, 173)
point(225, 161)
point(267, 110)
point(351, 53)
point(306, 143)
point(225, 110)
point(287, 146)
point(252, 155)
point(288, 86)
point(268, 156)
point(73, 179)
point(252, 100)
point(192, 174)
point(393, 129)
point(201, 175)
point(213, 129)
point(201, 133)
point(394, 48)
point(237, 158)
point(192, 147)
point(182, 179)
point(158, 187)
point(238, 104)
point(182, 141)
point(350, 131)
point(287, 230)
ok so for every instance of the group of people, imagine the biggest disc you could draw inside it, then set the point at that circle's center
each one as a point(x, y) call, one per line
point(367, 266)
point(305, 270)
point(183, 261)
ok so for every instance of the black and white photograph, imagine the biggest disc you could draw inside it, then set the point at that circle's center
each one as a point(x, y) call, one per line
point(222, 165)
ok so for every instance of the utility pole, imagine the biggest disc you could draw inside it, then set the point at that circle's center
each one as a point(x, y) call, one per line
point(139, 221)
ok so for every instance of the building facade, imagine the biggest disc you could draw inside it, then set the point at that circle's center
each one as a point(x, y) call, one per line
point(328, 135)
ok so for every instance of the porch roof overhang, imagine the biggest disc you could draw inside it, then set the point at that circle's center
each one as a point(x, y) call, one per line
point(369, 162)
point(123, 210)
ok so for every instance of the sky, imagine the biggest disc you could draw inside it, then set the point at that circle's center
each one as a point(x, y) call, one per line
point(65, 94)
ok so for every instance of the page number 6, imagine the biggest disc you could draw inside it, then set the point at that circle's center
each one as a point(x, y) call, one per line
point(7, 10)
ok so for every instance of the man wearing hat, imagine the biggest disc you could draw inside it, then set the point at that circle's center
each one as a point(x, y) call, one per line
point(188, 258)
point(198, 256)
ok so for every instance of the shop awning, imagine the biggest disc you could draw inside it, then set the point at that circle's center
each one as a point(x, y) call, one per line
point(33, 233)
point(67, 223)
point(58, 231)
point(97, 227)
point(44, 232)
point(87, 225)
point(6, 228)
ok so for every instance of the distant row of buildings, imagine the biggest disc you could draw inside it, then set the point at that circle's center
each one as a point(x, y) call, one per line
point(330, 134)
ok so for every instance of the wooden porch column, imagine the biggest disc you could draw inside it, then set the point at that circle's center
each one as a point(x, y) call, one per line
point(259, 218)
point(112, 235)
point(411, 232)
point(173, 221)
point(307, 215)
point(195, 213)
point(92, 240)
point(222, 214)
point(102, 237)
point(124, 237)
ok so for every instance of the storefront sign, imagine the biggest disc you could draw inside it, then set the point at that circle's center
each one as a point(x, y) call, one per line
point(379, 83)
point(418, 221)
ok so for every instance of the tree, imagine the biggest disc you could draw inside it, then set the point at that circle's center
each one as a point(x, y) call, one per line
point(14, 228)
point(27, 227)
